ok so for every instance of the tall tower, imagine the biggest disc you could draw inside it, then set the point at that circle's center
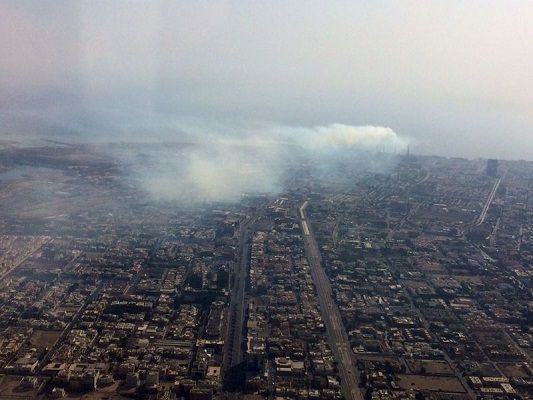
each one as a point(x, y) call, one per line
point(492, 167)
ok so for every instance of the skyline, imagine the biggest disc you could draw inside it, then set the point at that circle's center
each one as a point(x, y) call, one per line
point(452, 80)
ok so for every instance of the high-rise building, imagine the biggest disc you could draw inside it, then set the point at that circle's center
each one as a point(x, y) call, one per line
point(492, 167)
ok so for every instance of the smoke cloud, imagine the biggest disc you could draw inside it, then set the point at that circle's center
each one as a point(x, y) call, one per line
point(346, 136)
point(221, 164)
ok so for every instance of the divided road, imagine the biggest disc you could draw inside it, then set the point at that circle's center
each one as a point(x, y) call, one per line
point(338, 339)
point(234, 352)
point(487, 204)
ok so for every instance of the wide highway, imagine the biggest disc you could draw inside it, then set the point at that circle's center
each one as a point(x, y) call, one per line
point(338, 339)
point(234, 353)
point(488, 202)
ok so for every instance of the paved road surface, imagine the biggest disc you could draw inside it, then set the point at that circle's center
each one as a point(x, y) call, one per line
point(234, 353)
point(330, 313)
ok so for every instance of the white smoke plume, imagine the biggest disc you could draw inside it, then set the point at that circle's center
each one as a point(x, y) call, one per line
point(346, 136)
point(220, 166)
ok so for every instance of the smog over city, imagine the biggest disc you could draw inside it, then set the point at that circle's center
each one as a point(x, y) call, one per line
point(266, 200)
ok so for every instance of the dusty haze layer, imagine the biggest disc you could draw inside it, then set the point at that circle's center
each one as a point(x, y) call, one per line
point(454, 75)
point(222, 167)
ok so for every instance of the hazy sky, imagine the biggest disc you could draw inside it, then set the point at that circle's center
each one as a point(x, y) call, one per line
point(456, 77)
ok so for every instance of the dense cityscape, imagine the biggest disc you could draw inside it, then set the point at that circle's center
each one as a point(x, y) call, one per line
point(408, 281)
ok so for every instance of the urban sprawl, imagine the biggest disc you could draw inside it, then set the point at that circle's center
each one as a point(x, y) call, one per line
point(411, 280)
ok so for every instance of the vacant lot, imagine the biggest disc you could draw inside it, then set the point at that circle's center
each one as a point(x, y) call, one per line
point(415, 284)
point(68, 309)
point(9, 389)
point(512, 370)
point(431, 383)
point(430, 367)
point(42, 339)
point(467, 278)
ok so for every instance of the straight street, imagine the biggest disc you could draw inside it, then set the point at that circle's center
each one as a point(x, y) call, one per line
point(338, 339)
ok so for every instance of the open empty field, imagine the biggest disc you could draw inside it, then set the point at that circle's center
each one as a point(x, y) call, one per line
point(431, 383)
point(415, 284)
point(108, 393)
point(430, 367)
point(44, 339)
point(9, 388)
point(468, 278)
point(512, 370)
